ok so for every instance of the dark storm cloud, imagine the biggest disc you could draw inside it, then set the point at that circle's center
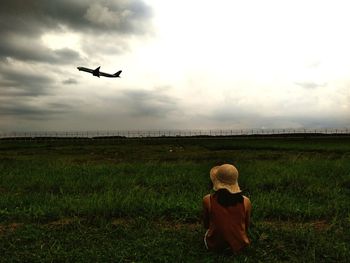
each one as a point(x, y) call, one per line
point(64, 55)
point(310, 85)
point(23, 22)
point(29, 16)
point(26, 110)
point(18, 83)
point(32, 50)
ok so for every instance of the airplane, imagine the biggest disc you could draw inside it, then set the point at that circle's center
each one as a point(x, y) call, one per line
point(96, 72)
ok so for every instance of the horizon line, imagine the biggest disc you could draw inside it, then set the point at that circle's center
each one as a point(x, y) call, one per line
point(139, 133)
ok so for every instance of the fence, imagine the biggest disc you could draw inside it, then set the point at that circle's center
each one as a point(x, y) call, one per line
point(169, 133)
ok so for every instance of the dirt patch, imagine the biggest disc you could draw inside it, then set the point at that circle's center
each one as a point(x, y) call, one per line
point(177, 225)
point(319, 225)
point(9, 227)
point(164, 224)
point(14, 226)
point(121, 222)
point(61, 222)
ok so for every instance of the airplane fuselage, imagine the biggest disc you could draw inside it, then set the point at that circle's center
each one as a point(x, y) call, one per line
point(96, 72)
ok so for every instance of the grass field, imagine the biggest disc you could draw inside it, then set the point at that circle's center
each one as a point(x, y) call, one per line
point(139, 200)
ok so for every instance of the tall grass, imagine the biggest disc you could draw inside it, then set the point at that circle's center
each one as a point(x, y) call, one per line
point(141, 200)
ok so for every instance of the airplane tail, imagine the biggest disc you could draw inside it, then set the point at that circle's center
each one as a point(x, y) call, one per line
point(117, 74)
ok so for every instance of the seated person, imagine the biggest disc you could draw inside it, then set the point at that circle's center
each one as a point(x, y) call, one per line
point(226, 211)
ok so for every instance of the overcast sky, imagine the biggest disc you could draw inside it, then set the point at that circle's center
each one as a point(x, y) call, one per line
point(186, 64)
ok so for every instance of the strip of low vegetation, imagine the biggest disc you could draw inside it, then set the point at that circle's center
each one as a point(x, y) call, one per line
point(140, 200)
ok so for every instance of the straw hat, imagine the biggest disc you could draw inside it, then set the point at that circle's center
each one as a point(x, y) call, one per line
point(225, 177)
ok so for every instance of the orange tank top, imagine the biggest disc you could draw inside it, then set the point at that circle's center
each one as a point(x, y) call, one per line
point(226, 226)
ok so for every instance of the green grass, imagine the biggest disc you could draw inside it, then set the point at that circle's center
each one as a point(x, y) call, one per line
point(140, 200)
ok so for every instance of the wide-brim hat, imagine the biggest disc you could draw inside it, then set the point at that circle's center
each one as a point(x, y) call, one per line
point(225, 177)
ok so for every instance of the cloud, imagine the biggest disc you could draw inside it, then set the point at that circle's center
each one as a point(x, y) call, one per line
point(249, 119)
point(97, 45)
point(129, 16)
point(104, 16)
point(314, 64)
point(69, 81)
point(31, 49)
point(143, 103)
point(31, 69)
point(29, 110)
point(65, 55)
point(310, 85)
point(299, 111)
point(232, 116)
point(23, 83)
point(23, 22)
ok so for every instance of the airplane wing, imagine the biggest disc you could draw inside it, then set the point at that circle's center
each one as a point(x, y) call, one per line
point(106, 74)
point(116, 75)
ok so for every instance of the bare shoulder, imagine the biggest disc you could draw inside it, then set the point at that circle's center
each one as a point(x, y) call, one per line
point(247, 201)
point(246, 198)
point(206, 201)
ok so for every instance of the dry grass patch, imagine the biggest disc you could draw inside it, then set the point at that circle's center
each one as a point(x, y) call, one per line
point(11, 227)
point(318, 225)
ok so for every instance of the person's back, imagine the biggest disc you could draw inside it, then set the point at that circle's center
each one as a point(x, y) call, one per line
point(226, 212)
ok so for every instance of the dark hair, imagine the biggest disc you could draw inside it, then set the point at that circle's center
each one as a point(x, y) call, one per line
point(225, 198)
